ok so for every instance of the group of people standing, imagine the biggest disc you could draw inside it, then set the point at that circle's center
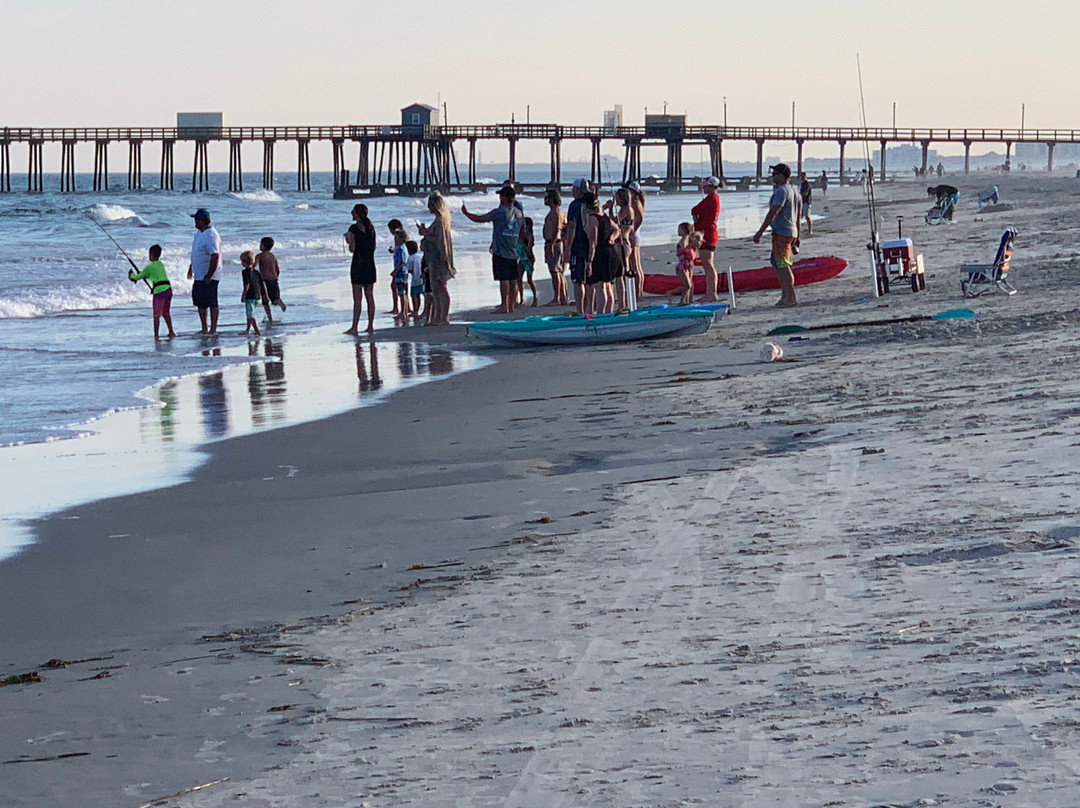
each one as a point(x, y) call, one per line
point(599, 244)
point(421, 270)
point(260, 273)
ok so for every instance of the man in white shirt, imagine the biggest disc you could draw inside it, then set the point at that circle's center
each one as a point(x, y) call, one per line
point(204, 270)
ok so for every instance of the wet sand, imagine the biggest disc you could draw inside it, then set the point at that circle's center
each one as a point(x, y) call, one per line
point(661, 573)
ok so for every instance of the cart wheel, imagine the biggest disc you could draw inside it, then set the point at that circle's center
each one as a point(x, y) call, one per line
point(922, 282)
point(914, 283)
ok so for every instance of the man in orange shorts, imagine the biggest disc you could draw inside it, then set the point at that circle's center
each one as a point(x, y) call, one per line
point(785, 213)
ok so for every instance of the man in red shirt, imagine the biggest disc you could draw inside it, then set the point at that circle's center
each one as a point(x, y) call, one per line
point(705, 214)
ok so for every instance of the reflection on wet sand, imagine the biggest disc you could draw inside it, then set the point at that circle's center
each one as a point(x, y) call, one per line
point(368, 383)
point(266, 383)
point(214, 404)
point(317, 382)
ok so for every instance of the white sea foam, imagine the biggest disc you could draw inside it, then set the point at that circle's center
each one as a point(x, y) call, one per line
point(260, 195)
point(104, 212)
point(82, 298)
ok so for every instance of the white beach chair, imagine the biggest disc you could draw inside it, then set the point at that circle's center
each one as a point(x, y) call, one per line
point(978, 278)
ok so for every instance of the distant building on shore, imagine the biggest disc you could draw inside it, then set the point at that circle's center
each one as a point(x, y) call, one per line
point(613, 119)
point(1036, 154)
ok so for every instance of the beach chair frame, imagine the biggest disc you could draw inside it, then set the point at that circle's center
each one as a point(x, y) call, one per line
point(977, 279)
point(940, 213)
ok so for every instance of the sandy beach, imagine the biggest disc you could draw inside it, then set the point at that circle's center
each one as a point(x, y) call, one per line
point(661, 573)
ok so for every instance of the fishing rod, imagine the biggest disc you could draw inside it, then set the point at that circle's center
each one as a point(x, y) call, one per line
point(108, 235)
point(874, 248)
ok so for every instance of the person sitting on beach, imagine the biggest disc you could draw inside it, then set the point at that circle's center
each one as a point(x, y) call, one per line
point(415, 267)
point(393, 226)
point(267, 264)
point(158, 280)
point(252, 294)
point(526, 260)
point(601, 266)
point(687, 252)
point(506, 224)
point(401, 277)
point(554, 230)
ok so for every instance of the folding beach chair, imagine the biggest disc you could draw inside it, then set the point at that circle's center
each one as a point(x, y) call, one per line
point(943, 211)
point(988, 198)
point(978, 278)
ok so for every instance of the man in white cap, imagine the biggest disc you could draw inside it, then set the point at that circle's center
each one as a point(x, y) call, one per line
point(203, 270)
point(578, 240)
point(785, 212)
point(705, 215)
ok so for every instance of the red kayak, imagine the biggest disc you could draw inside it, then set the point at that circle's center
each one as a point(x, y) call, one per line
point(808, 270)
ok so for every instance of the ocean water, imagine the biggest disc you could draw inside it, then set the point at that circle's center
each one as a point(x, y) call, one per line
point(76, 340)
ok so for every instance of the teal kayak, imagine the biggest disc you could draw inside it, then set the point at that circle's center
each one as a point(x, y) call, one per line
point(576, 329)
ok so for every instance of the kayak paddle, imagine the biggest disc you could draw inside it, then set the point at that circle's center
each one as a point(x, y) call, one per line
point(949, 314)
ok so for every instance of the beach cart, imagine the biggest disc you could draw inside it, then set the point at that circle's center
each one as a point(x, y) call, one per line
point(898, 262)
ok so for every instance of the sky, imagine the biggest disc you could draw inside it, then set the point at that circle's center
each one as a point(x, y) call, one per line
point(947, 63)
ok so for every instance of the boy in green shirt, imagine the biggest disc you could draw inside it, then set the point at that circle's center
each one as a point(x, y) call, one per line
point(159, 284)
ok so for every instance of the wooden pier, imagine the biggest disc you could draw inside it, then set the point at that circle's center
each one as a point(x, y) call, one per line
point(418, 159)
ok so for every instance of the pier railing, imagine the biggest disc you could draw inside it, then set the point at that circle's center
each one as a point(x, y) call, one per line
point(536, 131)
point(413, 159)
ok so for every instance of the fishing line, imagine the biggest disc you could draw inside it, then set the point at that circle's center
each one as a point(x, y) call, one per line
point(121, 249)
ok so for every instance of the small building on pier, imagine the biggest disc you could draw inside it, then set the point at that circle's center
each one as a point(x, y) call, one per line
point(419, 115)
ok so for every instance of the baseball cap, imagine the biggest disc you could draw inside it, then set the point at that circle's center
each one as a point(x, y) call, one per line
point(713, 182)
point(507, 190)
point(581, 184)
point(781, 168)
point(202, 214)
point(634, 186)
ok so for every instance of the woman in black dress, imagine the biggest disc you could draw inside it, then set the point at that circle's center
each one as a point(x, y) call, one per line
point(361, 240)
point(604, 262)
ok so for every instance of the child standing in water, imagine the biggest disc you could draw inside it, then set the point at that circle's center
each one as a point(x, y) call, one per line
point(267, 264)
point(253, 292)
point(394, 225)
point(415, 267)
point(158, 280)
point(686, 252)
point(400, 278)
point(526, 259)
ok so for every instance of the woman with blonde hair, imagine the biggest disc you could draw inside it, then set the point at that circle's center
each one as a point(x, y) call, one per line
point(439, 252)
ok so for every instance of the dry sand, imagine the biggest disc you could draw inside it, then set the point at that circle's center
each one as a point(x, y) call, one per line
point(654, 574)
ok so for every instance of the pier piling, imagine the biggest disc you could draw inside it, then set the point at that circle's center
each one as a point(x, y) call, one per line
point(134, 178)
point(303, 165)
point(5, 166)
point(101, 165)
point(268, 164)
point(67, 166)
point(236, 171)
point(200, 172)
